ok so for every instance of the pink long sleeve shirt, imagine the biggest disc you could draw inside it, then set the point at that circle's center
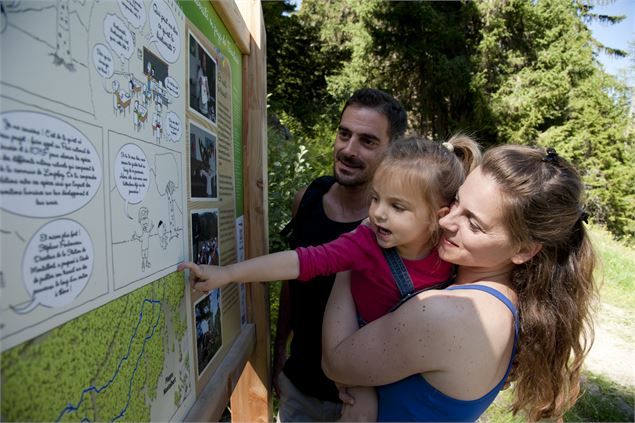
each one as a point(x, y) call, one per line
point(373, 286)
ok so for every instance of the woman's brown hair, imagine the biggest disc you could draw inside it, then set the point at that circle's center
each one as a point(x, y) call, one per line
point(542, 203)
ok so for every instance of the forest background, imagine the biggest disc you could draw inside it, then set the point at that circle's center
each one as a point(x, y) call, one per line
point(515, 71)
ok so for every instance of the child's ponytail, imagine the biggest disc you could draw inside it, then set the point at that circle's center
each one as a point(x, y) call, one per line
point(467, 150)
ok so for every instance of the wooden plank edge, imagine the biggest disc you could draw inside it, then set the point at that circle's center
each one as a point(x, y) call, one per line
point(233, 19)
point(213, 399)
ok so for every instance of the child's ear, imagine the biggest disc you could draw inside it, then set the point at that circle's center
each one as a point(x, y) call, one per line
point(443, 211)
point(526, 253)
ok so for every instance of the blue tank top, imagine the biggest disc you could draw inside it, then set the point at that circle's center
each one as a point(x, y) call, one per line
point(414, 399)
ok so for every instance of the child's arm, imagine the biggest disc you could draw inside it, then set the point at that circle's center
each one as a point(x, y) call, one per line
point(271, 267)
point(364, 408)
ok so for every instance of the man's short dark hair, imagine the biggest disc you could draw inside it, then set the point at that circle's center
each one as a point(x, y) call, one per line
point(383, 103)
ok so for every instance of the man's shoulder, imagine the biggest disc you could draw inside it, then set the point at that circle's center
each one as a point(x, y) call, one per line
point(307, 197)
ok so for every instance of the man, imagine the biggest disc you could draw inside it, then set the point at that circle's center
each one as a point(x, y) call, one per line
point(328, 207)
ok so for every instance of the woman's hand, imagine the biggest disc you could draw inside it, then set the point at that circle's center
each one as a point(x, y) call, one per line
point(205, 278)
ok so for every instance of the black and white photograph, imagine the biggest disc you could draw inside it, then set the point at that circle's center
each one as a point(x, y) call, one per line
point(205, 248)
point(202, 81)
point(203, 163)
point(208, 329)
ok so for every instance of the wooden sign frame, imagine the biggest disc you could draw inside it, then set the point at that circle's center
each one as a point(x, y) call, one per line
point(243, 377)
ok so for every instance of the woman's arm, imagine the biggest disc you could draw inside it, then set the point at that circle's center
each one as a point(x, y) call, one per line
point(413, 339)
point(340, 317)
point(271, 267)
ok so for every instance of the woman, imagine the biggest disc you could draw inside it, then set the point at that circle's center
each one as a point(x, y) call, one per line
point(523, 293)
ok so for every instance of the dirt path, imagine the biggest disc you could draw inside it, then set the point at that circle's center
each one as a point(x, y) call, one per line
point(613, 353)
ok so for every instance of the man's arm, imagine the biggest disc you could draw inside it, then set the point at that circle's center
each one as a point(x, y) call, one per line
point(283, 326)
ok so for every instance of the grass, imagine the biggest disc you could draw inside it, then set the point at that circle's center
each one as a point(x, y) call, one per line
point(616, 271)
point(602, 400)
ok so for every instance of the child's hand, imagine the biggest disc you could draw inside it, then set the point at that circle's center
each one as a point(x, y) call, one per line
point(364, 408)
point(344, 395)
point(205, 278)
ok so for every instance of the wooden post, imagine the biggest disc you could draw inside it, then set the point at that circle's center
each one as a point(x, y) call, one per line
point(251, 400)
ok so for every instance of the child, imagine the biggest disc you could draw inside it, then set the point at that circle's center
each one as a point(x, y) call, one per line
point(412, 188)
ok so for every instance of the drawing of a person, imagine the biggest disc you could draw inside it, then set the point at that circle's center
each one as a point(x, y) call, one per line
point(147, 91)
point(136, 115)
point(157, 130)
point(144, 238)
point(115, 96)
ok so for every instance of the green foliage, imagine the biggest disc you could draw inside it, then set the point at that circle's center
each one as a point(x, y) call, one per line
point(293, 164)
point(507, 72)
point(297, 65)
point(423, 51)
point(343, 34)
point(538, 71)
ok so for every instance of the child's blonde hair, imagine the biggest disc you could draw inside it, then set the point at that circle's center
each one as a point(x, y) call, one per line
point(434, 169)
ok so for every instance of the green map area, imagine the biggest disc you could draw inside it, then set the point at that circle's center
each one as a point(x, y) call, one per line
point(117, 362)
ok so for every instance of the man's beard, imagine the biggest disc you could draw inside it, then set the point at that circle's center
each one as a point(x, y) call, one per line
point(353, 181)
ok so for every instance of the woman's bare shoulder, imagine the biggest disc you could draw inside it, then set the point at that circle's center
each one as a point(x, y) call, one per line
point(464, 312)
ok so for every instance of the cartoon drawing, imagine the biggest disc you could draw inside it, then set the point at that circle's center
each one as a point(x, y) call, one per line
point(163, 237)
point(135, 85)
point(169, 190)
point(157, 130)
point(144, 238)
point(120, 98)
point(62, 55)
point(75, 92)
point(139, 115)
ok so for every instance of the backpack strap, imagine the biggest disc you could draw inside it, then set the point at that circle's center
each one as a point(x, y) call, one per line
point(314, 192)
point(440, 285)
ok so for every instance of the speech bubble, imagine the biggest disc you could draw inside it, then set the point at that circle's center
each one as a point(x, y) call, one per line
point(47, 168)
point(118, 37)
point(57, 264)
point(103, 61)
point(173, 126)
point(134, 11)
point(132, 174)
point(172, 86)
point(165, 32)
